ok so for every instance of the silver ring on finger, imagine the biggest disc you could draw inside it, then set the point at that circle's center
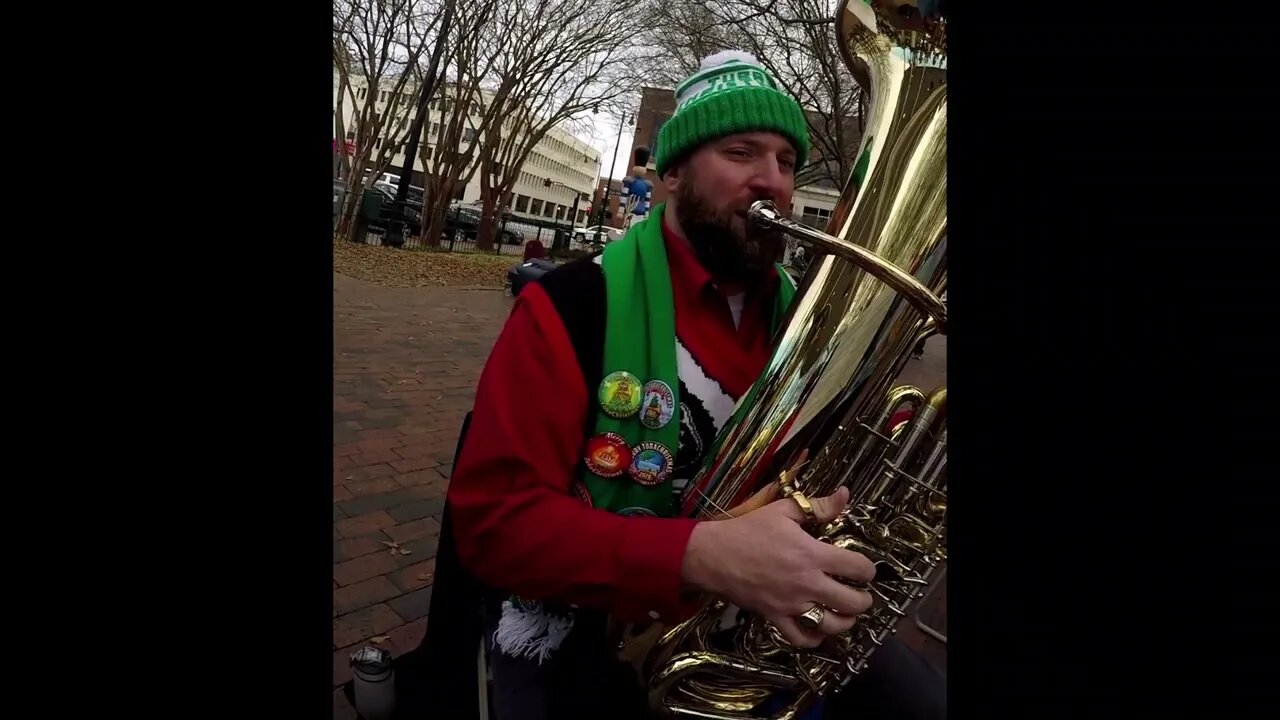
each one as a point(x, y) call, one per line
point(811, 619)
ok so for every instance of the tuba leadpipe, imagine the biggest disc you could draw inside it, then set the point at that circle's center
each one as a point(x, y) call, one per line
point(764, 213)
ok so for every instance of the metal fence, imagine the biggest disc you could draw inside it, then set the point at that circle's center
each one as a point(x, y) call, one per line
point(461, 224)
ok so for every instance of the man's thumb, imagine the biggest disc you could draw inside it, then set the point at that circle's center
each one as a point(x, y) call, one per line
point(825, 509)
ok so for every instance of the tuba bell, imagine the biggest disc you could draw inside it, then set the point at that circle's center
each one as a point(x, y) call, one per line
point(820, 410)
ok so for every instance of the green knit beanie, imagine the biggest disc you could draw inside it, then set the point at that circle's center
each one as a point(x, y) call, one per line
point(731, 93)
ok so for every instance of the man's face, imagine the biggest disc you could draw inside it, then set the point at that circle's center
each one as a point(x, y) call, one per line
point(713, 189)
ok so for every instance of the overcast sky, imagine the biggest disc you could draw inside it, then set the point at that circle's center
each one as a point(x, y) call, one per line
point(604, 134)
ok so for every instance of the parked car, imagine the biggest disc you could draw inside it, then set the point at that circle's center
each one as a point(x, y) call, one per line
point(413, 212)
point(586, 237)
point(465, 219)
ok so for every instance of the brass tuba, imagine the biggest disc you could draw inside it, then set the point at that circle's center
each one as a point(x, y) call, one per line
point(870, 295)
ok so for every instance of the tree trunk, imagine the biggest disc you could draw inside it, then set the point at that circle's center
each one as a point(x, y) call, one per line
point(431, 233)
point(485, 233)
point(347, 224)
point(435, 210)
point(341, 168)
point(488, 219)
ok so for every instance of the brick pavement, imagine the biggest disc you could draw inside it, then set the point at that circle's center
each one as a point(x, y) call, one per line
point(406, 362)
point(405, 366)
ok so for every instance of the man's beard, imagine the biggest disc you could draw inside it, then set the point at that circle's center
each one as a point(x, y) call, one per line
point(720, 248)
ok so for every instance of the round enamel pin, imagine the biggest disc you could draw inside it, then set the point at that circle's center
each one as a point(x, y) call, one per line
point(620, 394)
point(637, 512)
point(650, 463)
point(608, 455)
point(658, 406)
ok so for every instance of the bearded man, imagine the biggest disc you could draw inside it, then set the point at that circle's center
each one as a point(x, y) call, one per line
point(601, 399)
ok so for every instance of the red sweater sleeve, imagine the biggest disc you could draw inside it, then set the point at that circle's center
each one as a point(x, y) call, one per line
point(517, 526)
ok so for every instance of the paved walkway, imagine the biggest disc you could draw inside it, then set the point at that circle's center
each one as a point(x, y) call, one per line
point(406, 362)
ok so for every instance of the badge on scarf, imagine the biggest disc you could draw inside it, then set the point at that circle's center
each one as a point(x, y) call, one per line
point(608, 455)
point(620, 394)
point(650, 463)
point(658, 406)
point(583, 493)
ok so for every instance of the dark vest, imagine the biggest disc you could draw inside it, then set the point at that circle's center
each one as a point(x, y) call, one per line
point(583, 679)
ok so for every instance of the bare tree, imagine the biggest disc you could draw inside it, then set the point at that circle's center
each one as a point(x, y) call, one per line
point(381, 42)
point(683, 33)
point(449, 153)
point(512, 70)
point(796, 41)
point(558, 60)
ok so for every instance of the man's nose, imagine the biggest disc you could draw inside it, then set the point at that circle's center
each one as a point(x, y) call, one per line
point(769, 178)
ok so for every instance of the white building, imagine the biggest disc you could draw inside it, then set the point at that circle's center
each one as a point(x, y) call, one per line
point(571, 165)
point(812, 205)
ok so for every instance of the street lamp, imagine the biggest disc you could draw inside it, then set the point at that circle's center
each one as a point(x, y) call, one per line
point(608, 183)
point(548, 182)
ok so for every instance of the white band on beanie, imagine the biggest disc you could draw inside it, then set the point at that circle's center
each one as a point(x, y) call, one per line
point(721, 71)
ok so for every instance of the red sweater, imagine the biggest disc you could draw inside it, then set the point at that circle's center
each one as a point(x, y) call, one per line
point(517, 525)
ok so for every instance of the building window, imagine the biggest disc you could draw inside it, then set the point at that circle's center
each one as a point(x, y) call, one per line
point(815, 217)
point(522, 203)
point(535, 208)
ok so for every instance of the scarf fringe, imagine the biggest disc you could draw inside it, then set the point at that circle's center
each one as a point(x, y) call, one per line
point(530, 632)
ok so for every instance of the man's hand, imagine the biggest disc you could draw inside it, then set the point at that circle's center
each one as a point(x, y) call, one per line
point(763, 561)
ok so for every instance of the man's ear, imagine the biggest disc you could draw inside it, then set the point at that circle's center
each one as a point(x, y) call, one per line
point(671, 179)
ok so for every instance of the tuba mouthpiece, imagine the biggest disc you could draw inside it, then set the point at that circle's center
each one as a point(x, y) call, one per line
point(763, 213)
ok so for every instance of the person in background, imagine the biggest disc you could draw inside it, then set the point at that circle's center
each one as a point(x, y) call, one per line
point(637, 191)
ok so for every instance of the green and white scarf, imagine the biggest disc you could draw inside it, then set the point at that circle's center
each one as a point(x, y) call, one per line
point(638, 412)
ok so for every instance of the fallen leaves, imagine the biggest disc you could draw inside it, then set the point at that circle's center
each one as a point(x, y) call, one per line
point(396, 549)
point(401, 268)
point(376, 639)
